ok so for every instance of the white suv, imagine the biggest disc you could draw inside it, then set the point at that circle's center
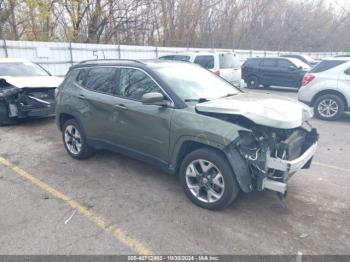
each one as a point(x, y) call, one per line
point(224, 64)
point(327, 88)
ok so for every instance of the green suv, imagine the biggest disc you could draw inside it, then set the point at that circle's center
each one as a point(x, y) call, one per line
point(187, 121)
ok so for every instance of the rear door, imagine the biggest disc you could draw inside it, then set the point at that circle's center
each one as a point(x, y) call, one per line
point(230, 68)
point(144, 129)
point(95, 101)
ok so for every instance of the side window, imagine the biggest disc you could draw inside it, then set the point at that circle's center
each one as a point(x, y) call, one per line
point(206, 61)
point(284, 64)
point(269, 63)
point(99, 79)
point(134, 83)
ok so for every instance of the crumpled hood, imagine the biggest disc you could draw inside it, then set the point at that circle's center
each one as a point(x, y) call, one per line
point(33, 81)
point(262, 109)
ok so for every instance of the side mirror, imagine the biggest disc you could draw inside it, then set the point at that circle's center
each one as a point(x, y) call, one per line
point(292, 68)
point(154, 98)
point(347, 71)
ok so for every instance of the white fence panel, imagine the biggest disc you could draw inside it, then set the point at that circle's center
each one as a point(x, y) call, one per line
point(58, 57)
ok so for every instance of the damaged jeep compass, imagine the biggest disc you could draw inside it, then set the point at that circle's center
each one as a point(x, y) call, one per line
point(187, 121)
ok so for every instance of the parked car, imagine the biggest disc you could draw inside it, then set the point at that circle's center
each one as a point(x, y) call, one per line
point(304, 58)
point(26, 90)
point(327, 88)
point(224, 64)
point(287, 72)
point(219, 141)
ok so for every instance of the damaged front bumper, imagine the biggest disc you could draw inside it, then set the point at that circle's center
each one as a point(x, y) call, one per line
point(288, 167)
point(291, 166)
point(17, 103)
point(267, 158)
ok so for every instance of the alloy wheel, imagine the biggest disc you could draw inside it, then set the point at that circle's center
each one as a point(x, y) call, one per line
point(328, 108)
point(205, 181)
point(72, 138)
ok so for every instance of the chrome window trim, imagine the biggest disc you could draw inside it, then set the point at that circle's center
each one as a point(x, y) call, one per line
point(172, 104)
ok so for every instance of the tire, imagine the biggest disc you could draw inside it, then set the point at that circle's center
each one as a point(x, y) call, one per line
point(219, 177)
point(4, 115)
point(253, 82)
point(74, 140)
point(335, 107)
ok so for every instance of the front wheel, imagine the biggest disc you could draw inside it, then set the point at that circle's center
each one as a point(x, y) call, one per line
point(75, 141)
point(329, 107)
point(208, 179)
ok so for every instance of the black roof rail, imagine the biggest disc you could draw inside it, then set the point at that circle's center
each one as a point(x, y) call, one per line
point(111, 59)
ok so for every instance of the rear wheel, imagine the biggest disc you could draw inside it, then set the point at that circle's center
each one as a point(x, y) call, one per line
point(208, 179)
point(75, 141)
point(253, 82)
point(329, 107)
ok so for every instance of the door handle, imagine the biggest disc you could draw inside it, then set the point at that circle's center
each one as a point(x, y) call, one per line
point(121, 107)
point(82, 97)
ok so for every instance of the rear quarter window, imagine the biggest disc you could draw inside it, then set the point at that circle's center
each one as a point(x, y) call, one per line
point(206, 61)
point(326, 65)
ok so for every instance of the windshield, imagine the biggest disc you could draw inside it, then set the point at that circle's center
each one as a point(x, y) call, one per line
point(191, 82)
point(299, 63)
point(21, 69)
point(309, 59)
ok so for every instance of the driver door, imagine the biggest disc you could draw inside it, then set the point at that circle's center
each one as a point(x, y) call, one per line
point(143, 129)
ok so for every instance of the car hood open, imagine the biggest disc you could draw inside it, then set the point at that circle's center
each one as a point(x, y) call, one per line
point(33, 81)
point(263, 109)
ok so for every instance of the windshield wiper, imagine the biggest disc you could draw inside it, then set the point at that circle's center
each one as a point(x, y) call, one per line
point(228, 95)
point(199, 100)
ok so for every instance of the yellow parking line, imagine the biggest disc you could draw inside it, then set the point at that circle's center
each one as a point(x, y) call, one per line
point(331, 166)
point(116, 232)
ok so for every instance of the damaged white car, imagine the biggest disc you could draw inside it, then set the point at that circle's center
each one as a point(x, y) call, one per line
point(26, 90)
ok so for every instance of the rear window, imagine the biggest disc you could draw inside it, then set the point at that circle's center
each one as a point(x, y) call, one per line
point(167, 57)
point(175, 57)
point(181, 58)
point(206, 61)
point(228, 61)
point(326, 65)
point(252, 62)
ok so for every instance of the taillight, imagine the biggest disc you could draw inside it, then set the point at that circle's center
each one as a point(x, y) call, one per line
point(217, 72)
point(308, 78)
